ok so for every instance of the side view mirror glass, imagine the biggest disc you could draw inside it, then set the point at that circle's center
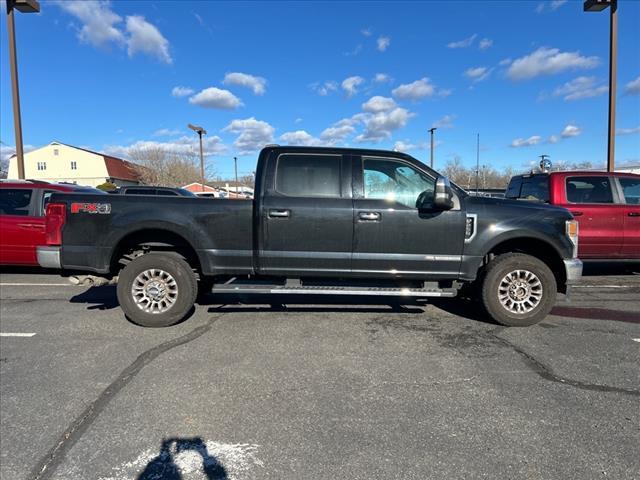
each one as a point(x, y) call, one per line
point(443, 199)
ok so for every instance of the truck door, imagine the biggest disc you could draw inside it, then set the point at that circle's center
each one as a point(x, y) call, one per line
point(18, 224)
point(630, 187)
point(306, 216)
point(601, 220)
point(392, 238)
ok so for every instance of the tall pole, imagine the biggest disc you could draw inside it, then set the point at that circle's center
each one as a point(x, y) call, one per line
point(477, 164)
point(613, 61)
point(431, 130)
point(201, 162)
point(235, 164)
point(13, 62)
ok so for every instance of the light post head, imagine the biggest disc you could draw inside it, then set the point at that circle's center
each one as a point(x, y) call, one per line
point(596, 5)
point(198, 130)
point(24, 6)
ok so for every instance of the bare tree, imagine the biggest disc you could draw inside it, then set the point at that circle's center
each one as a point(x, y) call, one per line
point(158, 166)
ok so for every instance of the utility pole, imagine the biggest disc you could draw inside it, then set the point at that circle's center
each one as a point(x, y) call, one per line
point(24, 6)
point(431, 130)
point(200, 131)
point(477, 164)
point(235, 163)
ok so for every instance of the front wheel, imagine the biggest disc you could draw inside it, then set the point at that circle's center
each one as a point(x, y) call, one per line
point(157, 289)
point(518, 290)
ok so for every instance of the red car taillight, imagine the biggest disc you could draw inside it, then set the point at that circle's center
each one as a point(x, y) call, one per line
point(56, 216)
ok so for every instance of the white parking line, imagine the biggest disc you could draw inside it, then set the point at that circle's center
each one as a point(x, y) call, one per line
point(636, 340)
point(603, 286)
point(17, 334)
point(37, 285)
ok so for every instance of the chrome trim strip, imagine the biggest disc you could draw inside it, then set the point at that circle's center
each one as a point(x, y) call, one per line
point(573, 268)
point(48, 257)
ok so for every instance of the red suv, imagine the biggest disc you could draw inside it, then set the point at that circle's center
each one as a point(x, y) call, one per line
point(606, 206)
point(22, 221)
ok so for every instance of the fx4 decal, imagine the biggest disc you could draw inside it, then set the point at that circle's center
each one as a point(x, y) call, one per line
point(102, 208)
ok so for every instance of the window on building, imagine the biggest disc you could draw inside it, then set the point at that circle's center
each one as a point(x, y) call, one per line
point(55, 152)
point(74, 165)
point(42, 165)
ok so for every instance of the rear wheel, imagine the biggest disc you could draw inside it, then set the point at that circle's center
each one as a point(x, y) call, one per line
point(157, 289)
point(518, 290)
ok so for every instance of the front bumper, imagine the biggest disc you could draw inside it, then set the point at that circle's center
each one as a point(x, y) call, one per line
point(573, 270)
point(48, 257)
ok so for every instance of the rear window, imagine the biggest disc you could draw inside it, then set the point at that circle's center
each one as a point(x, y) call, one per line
point(15, 201)
point(529, 188)
point(299, 175)
point(596, 189)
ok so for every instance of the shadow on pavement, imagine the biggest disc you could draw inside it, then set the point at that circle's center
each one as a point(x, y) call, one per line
point(599, 268)
point(591, 313)
point(99, 298)
point(164, 467)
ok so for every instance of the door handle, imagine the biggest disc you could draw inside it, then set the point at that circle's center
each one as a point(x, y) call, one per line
point(26, 225)
point(279, 213)
point(576, 214)
point(369, 216)
point(634, 214)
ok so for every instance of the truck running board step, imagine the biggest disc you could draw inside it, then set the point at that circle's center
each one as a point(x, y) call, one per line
point(328, 290)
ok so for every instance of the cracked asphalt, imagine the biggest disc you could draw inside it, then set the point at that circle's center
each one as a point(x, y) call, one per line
point(366, 389)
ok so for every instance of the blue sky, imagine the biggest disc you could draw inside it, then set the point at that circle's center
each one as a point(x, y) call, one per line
point(530, 77)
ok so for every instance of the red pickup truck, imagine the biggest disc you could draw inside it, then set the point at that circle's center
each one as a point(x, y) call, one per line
point(606, 206)
point(22, 221)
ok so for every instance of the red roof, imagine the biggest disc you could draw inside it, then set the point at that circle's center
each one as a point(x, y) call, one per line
point(121, 169)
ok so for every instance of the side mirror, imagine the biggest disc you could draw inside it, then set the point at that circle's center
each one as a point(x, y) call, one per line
point(443, 199)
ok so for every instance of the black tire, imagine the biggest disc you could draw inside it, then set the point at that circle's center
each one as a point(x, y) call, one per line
point(184, 282)
point(494, 284)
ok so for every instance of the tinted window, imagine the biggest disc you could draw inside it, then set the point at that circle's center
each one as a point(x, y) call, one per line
point(395, 181)
point(140, 191)
point(15, 201)
point(535, 188)
point(589, 190)
point(513, 190)
point(308, 175)
point(631, 189)
point(168, 193)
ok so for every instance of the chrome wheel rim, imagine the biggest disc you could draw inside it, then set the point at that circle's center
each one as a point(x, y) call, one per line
point(154, 291)
point(520, 291)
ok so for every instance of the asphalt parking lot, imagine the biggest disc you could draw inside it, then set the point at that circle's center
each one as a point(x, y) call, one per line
point(247, 389)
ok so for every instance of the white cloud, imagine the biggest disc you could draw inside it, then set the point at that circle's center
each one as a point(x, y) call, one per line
point(100, 27)
point(257, 84)
point(554, 139)
point(182, 91)
point(485, 43)
point(381, 78)
point(477, 74)
point(213, 97)
point(548, 61)
point(301, 137)
point(415, 90)
point(184, 145)
point(633, 87)
point(379, 104)
point(379, 126)
point(467, 42)
point(444, 92)
point(571, 131)
point(628, 131)
point(406, 146)
point(146, 38)
point(98, 22)
point(522, 142)
point(298, 120)
point(350, 85)
point(504, 62)
point(366, 32)
point(324, 89)
point(337, 133)
point(383, 43)
point(444, 122)
point(580, 87)
point(252, 134)
point(553, 5)
point(167, 132)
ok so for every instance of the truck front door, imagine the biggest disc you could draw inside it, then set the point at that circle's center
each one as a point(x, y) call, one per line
point(306, 216)
point(392, 238)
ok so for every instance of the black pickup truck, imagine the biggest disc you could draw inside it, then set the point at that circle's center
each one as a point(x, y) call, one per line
point(332, 221)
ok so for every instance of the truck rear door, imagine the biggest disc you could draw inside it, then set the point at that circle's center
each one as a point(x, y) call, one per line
point(306, 215)
point(630, 187)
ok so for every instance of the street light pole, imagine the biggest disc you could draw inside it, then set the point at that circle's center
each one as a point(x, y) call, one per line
point(598, 6)
point(235, 164)
point(25, 6)
point(200, 131)
point(431, 130)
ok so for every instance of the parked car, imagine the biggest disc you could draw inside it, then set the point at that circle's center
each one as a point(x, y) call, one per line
point(152, 190)
point(218, 194)
point(22, 222)
point(331, 221)
point(606, 206)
